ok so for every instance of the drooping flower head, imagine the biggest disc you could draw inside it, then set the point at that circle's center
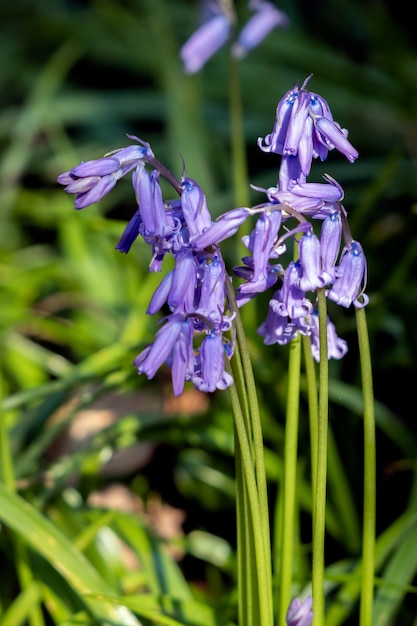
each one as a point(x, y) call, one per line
point(313, 218)
point(191, 337)
point(304, 128)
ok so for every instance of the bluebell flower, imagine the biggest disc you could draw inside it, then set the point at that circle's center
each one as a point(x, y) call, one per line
point(336, 347)
point(206, 40)
point(305, 128)
point(161, 294)
point(224, 227)
point(194, 208)
point(266, 18)
point(156, 222)
point(300, 613)
point(290, 301)
point(261, 242)
point(302, 204)
point(277, 328)
point(130, 233)
point(348, 287)
point(272, 272)
point(182, 359)
point(152, 357)
point(211, 374)
point(330, 241)
point(90, 181)
point(309, 252)
point(182, 293)
point(212, 292)
point(216, 30)
point(321, 191)
point(329, 133)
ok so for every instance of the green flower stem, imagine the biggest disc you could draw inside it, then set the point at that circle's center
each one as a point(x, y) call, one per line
point(250, 448)
point(253, 522)
point(245, 566)
point(319, 496)
point(369, 495)
point(255, 422)
point(289, 479)
point(313, 409)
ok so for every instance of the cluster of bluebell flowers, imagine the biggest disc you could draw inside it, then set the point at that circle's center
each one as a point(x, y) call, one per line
point(194, 291)
point(194, 338)
point(217, 28)
point(304, 129)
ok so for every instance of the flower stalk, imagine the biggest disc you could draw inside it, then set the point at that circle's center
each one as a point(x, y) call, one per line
point(319, 517)
point(369, 492)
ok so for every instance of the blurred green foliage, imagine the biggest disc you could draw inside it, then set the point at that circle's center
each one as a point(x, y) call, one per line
point(75, 78)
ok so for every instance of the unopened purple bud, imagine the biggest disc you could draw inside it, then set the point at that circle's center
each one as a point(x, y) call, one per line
point(330, 239)
point(300, 203)
point(151, 359)
point(300, 613)
point(96, 193)
point(305, 147)
point(261, 243)
point(65, 178)
point(226, 226)
point(130, 233)
point(161, 293)
point(266, 18)
point(182, 360)
point(296, 127)
point(97, 167)
point(350, 278)
point(211, 305)
point(321, 191)
point(309, 252)
point(81, 185)
point(156, 221)
point(274, 142)
point(194, 208)
point(332, 135)
point(181, 295)
point(204, 43)
point(131, 155)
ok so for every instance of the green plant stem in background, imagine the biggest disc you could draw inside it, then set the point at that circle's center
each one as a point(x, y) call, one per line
point(290, 476)
point(238, 157)
point(313, 410)
point(319, 497)
point(369, 494)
